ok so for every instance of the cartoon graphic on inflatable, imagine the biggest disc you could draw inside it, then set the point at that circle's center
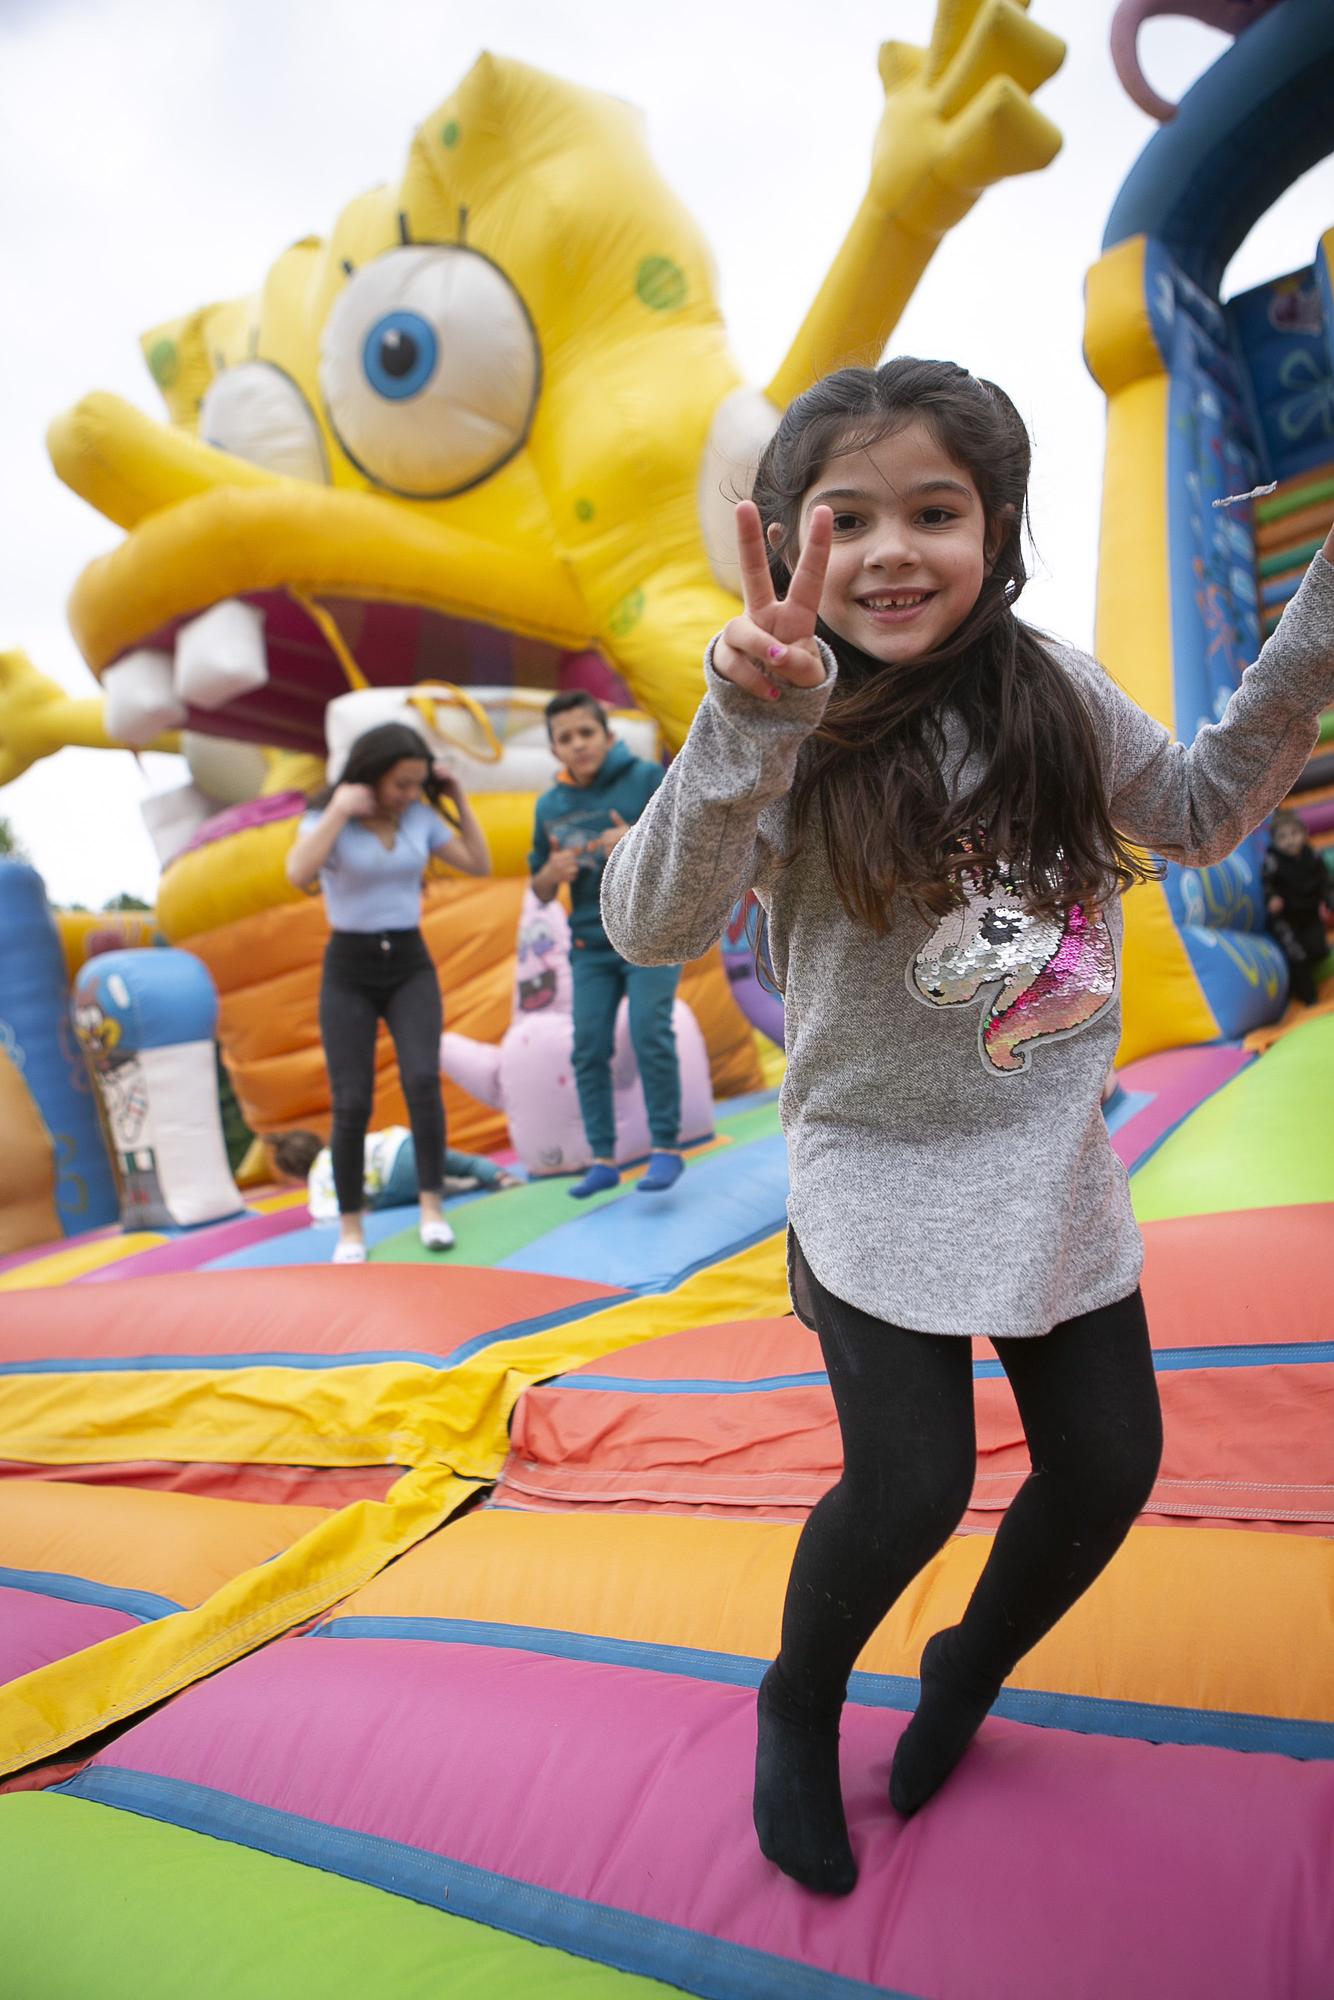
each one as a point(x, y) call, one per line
point(492, 421)
point(530, 1076)
point(1040, 979)
point(146, 1021)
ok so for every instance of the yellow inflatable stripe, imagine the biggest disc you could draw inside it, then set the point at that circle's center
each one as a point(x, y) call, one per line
point(63, 1703)
point(451, 1427)
point(376, 1413)
point(1189, 1617)
point(63, 1265)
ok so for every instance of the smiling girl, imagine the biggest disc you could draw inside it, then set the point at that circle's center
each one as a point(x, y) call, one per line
point(938, 809)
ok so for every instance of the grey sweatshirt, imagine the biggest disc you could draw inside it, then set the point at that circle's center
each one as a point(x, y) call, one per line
point(950, 1168)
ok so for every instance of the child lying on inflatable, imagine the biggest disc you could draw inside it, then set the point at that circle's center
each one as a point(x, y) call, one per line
point(390, 1170)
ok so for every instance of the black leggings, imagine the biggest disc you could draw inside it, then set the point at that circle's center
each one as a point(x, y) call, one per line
point(367, 975)
point(1089, 1403)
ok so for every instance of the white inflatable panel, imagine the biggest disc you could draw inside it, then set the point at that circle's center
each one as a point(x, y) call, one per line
point(507, 753)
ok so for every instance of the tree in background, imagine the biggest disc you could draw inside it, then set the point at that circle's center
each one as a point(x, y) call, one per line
point(127, 901)
point(10, 843)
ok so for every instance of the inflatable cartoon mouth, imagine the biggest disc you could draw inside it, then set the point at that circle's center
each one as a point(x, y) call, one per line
point(249, 602)
point(535, 994)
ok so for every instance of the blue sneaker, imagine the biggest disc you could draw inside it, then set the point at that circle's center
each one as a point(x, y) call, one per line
point(596, 1181)
point(664, 1171)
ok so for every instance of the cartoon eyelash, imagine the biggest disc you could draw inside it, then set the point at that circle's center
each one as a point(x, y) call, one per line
point(404, 233)
point(349, 267)
point(463, 225)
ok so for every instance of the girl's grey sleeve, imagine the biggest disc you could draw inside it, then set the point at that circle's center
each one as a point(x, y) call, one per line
point(1195, 802)
point(670, 884)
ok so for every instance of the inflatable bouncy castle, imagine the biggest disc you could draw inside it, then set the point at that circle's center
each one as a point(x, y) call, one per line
point(406, 1620)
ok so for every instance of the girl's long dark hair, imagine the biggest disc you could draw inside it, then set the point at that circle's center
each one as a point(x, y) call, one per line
point(377, 751)
point(873, 769)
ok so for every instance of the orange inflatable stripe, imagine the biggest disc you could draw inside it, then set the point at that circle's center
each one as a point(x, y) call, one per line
point(1293, 528)
point(1206, 1618)
point(326, 1487)
point(1240, 1443)
point(173, 1544)
point(414, 1310)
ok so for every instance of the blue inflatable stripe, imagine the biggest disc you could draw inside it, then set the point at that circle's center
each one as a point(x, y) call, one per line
point(712, 1967)
point(1082, 1715)
point(723, 1202)
point(145, 1605)
point(1166, 1360)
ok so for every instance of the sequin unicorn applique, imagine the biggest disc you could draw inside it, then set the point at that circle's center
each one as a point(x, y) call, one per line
point(1040, 978)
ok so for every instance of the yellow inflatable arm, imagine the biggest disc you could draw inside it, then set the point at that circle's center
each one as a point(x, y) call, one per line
point(37, 717)
point(957, 118)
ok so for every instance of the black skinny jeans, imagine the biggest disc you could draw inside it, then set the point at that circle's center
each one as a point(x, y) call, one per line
point(1089, 1402)
point(368, 975)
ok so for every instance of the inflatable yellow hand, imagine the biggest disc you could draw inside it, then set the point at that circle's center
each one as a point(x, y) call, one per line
point(37, 717)
point(957, 118)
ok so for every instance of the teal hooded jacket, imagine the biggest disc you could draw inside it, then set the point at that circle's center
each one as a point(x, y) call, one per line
point(574, 815)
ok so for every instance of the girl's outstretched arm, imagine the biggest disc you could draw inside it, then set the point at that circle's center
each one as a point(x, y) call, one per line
point(1195, 802)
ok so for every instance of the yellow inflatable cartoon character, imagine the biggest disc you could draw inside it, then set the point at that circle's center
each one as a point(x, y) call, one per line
point(493, 420)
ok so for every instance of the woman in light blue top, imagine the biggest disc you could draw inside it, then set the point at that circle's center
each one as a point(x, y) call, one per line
point(368, 840)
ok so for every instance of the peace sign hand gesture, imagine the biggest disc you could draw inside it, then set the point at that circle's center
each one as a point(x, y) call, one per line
point(772, 644)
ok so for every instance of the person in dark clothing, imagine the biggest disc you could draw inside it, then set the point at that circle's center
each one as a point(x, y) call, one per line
point(1297, 897)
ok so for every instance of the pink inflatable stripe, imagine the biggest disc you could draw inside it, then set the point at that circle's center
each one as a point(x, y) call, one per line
point(1178, 1080)
point(34, 1630)
point(201, 1246)
point(1054, 1864)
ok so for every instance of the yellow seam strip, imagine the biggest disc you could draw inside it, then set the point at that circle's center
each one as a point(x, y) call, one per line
point(337, 644)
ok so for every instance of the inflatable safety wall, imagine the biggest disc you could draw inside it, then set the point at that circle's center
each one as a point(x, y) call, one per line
point(1208, 398)
point(146, 1020)
point(47, 1084)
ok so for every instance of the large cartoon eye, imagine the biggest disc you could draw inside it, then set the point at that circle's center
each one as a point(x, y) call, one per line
point(257, 412)
point(430, 370)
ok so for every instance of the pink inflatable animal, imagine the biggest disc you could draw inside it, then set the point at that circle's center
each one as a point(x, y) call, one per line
point(1232, 16)
point(530, 1077)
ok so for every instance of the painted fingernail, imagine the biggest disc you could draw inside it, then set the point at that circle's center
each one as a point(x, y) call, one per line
point(775, 694)
point(777, 652)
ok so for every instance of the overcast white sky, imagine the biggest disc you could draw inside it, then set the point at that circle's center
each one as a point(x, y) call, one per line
point(156, 154)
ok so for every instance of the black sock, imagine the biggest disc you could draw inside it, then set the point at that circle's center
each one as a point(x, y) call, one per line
point(798, 1799)
point(949, 1714)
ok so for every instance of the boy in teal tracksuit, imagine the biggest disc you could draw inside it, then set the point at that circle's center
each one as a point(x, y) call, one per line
point(579, 821)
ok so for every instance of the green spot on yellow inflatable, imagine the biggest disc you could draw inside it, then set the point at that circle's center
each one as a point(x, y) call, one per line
point(627, 614)
point(661, 284)
point(164, 362)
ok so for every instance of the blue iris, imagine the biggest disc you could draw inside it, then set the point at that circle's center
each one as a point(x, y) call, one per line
point(400, 354)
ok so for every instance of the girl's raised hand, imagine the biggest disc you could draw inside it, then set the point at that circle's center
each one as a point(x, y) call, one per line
point(772, 644)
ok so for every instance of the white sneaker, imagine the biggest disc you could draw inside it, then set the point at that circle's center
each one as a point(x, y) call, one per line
point(437, 1236)
point(350, 1253)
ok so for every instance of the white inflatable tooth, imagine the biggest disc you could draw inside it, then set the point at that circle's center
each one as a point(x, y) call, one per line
point(139, 699)
point(221, 655)
point(742, 426)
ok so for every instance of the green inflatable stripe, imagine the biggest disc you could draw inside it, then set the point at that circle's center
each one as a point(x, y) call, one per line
point(155, 1912)
point(495, 1228)
point(1294, 559)
point(1292, 503)
point(1327, 726)
point(1260, 1142)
